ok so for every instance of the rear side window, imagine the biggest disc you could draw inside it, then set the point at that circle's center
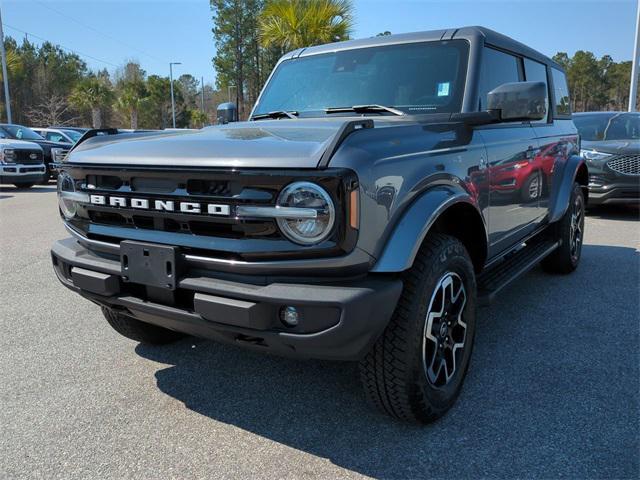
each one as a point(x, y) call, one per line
point(497, 68)
point(537, 72)
point(562, 107)
point(55, 137)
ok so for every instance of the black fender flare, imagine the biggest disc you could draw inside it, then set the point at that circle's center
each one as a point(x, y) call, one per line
point(561, 194)
point(404, 242)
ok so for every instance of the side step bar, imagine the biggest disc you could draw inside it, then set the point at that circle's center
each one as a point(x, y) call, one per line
point(497, 277)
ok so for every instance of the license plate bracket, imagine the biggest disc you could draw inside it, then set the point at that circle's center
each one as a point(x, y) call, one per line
point(149, 264)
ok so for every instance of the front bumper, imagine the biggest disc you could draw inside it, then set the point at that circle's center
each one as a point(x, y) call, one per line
point(607, 193)
point(17, 172)
point(338, 320)
point(608, 186)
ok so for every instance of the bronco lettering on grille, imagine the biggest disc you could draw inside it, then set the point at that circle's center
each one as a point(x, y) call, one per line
point(162, 205)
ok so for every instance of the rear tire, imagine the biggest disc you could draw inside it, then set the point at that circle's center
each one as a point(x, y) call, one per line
point(569, 230)
point(434, 322)
point(24, 185)
point(139, 331)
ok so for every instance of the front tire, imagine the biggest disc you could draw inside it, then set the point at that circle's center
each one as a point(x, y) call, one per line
point(416, 369)
point(569, 231)
point(139, 331)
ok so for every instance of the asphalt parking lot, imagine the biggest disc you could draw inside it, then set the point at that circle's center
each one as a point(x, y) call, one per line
point(553, 389)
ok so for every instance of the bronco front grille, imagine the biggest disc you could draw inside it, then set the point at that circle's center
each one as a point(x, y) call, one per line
point(625, 164)
point(207, 190)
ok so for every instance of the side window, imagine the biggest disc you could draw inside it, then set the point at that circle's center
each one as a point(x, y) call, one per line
point(55, 137)
point(497, 68)
point(537, 72)
point(562, 107)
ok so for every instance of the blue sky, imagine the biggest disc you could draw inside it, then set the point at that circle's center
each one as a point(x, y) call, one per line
point(155, 32)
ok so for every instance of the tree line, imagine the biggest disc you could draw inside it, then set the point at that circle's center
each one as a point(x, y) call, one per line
point(50, 86)
point(596, 84)
point(251, 35)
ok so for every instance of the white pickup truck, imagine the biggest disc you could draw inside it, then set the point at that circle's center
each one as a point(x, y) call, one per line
point(21, 163)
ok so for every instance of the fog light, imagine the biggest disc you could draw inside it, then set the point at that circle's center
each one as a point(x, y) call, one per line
point(289, 316)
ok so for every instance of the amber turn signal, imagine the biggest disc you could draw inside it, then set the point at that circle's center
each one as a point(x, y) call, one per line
point(354, 209)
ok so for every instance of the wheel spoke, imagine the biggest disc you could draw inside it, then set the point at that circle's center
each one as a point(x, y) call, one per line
point(445, 329)
point(576, 228)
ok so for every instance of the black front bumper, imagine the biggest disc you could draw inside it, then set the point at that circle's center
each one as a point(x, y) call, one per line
point(615, 193)
point(609, 187)
point(338, 320)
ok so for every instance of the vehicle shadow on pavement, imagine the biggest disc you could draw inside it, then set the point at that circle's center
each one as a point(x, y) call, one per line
point(541, 398)
point(34, 189)
point(615, 212)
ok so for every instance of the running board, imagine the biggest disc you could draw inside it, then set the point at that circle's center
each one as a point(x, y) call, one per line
point(497, 277)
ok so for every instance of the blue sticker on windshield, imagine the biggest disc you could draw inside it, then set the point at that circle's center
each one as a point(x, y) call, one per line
point(443, 89)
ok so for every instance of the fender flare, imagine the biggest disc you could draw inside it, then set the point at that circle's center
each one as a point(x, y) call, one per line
point(559, 200)
point(408, 234)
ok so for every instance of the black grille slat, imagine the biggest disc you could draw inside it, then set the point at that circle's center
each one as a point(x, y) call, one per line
point(625, 164)
point(174, 222)
point(217, 188)
point(24, 156)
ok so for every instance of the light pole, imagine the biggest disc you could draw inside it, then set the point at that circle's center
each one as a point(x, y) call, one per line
point(633, 89)
point(229, 87)
point(5, 77)
point(202, 92)
point(173, 103)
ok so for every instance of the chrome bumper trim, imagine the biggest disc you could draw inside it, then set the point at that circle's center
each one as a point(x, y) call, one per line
point(276, 212)
point(79, 197)
point(18, 167)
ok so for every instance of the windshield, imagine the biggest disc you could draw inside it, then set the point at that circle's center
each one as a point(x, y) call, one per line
point(72, 134)
point(22, 133)
point(425, 77)
point(613, 126)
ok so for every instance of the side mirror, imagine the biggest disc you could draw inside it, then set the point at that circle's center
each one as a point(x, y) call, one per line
point(519, 101)
point(226, 113)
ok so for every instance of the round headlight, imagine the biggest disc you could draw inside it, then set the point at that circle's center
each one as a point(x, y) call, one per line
point(307, 195)
point(68, 206)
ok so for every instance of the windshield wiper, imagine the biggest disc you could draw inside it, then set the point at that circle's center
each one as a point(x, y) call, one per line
point(364, 109)
point(276, 114)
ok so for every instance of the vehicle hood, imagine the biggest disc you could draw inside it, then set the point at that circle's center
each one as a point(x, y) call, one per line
point(19, 144)
point(617, 147)
point(287, 143)
point(49, 143)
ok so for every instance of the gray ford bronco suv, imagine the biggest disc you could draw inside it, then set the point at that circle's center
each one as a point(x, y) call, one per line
point(381, 190)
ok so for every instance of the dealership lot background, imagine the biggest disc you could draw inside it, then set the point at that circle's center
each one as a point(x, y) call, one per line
point(552, 390)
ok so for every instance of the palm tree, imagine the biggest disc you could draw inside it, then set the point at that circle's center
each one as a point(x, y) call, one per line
point(14, 63)
point(92, 94)
point(133, 95)
point(292, 24)
point(197, 118)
